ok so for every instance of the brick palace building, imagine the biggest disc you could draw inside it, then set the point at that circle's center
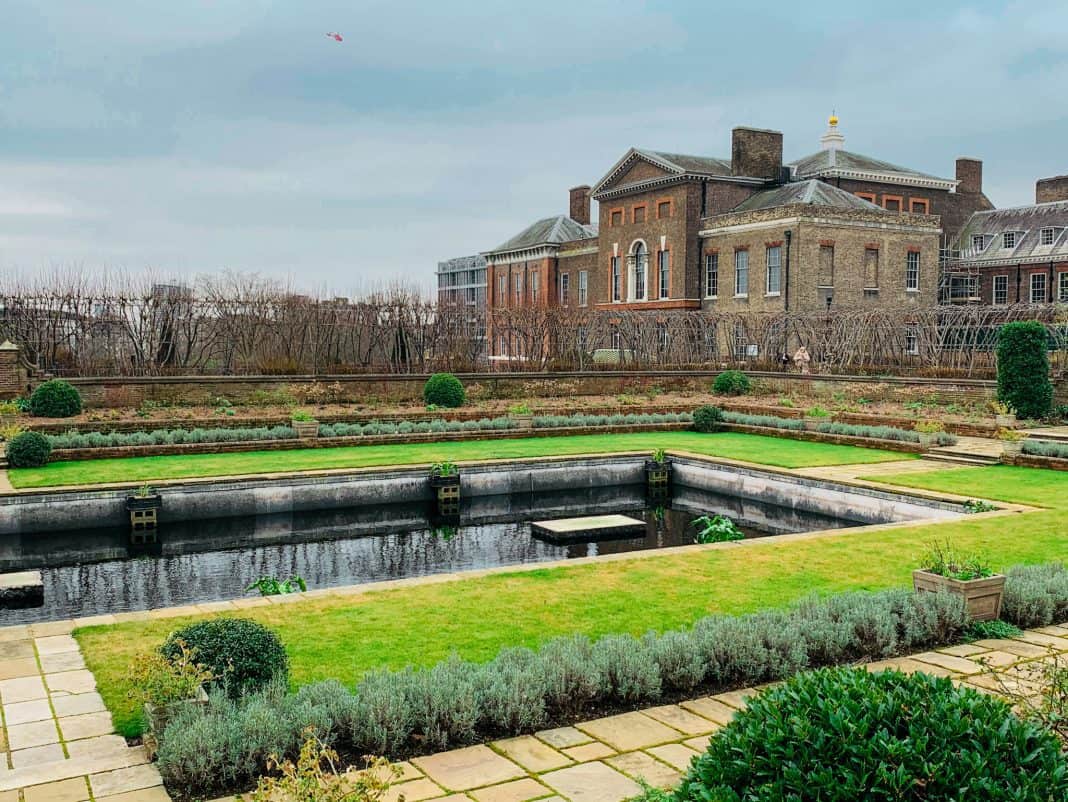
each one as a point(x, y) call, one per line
point(834, 229)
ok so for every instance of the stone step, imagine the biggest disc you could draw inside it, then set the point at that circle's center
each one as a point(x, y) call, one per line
point(13, 779)
point(936, 455)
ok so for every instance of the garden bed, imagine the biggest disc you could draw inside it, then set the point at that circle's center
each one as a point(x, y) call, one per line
point(823, 437)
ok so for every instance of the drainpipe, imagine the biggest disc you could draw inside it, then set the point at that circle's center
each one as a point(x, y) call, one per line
point(789, 235)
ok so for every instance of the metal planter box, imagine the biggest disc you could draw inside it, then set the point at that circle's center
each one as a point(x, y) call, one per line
point(982, 597)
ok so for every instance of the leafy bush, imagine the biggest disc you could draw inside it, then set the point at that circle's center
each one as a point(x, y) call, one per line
point(707, 418)
point(981, 630)
point(444, 390)
point(163, 682)
point(715, 529)
point(55, 399)
point(731, 382)
point(1023, 368)
point(242, 655)
point(28, 450)
point(848, 734)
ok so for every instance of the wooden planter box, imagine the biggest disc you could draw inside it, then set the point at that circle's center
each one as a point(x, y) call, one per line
point(150, 502)
point(306, 429)
point(144, 511)
point(926, 439)
point(812, 424)
point(1010, 450)
point(1005, 421)
point(523, 421)
point(438, 482)
point(657, 473)
point(982, 597)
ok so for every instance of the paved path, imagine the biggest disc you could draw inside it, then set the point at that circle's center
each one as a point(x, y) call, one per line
point(58, 743)
point(58, 746)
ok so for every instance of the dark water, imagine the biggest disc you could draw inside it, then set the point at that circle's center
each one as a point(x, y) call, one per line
point(89, 572)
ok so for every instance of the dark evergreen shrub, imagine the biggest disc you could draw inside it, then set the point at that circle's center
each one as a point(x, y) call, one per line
point(242, 655)
point(28, 450)
point(1023, 369)
point(55, 399)
point(444, 390)
point(731, 382)
point(841, 735)
point(707, 419)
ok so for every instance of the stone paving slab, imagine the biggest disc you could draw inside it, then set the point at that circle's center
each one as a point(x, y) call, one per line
point(532, 754)
point(470, 767)
point(629, 731)
point(592, 782)
point(645, 768)
point(514, 791)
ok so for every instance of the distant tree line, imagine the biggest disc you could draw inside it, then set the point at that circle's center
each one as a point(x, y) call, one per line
point(75, 324)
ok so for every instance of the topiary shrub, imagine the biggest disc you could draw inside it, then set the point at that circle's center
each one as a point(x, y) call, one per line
point(847, 734)
point(1023, 369)
point(28, 450)
point(731, 382)
point(444, 390)
point(55, 399)
point(242, 655)
point(707, 419)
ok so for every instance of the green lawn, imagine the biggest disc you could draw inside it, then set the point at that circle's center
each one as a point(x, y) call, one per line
point(343, 638)
point(775, 451)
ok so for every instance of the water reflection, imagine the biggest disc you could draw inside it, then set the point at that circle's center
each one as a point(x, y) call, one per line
point(89, 572)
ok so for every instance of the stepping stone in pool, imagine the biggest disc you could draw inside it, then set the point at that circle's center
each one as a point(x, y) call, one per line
point(592, 527)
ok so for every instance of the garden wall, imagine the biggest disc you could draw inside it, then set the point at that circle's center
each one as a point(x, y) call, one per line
point(124, 391)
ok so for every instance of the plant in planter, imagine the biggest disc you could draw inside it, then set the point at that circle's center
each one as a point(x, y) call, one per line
point(522, 415)
point(1011, 444)
point(1004, 414)
point(928, 431)
point(715, 529)
point(658, 469)
point(444, 474)
point(164, 684)
point(816, 415)
point(306, 425)
point(966, 575)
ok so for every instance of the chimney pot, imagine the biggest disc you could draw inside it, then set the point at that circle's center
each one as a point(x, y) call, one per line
point(580, 204)
point(1052, 189)
point(969, 175)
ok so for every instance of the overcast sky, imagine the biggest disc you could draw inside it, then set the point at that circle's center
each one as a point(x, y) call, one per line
point(202, 135)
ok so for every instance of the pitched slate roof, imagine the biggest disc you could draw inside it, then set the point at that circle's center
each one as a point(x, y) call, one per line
point(676, 166)
point(682, 163)
point(834, 160)
point(812, 191)
point(550, 231)
point(1027, 223)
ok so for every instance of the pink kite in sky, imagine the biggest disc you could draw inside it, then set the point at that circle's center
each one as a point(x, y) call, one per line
point(336, 36)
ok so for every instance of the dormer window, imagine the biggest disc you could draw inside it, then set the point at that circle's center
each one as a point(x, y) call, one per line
point(978, 242)
point(1008, 239)
point(1045, 236)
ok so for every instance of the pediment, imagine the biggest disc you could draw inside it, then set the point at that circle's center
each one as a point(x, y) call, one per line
point(634, 167)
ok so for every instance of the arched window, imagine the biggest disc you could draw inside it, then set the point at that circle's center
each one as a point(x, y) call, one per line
point(639, 264)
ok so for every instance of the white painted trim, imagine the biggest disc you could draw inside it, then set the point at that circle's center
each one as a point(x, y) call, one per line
point(830, 221)
point(884, 178)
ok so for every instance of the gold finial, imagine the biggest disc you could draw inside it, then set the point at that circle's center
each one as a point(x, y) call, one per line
point(833, 120)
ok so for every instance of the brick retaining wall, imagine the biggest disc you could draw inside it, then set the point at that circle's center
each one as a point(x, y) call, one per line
point(121, 391)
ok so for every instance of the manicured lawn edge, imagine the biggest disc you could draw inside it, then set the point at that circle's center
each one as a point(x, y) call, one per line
point(773, 451)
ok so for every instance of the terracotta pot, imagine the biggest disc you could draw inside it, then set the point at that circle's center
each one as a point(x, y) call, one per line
point(982, 597)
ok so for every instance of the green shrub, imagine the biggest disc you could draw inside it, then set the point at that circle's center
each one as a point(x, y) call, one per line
point(242, 655)
point(707, 419)
point(28, 450)
point(1023, 369)
point(731, 382)
point(847, 734)
point(55, 399)
point(444, 390)
point(1035, 595)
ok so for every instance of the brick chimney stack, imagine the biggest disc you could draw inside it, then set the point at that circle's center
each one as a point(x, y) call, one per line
point(970, 175)
point(580, 204)
point(756, 152)
point(1052, 189)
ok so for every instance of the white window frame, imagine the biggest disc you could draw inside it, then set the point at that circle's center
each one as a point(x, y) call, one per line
point(639, 272)
point(1008, 239)
point(565, 289)
point(741, 270)
point(518, 289)
point(777, 250)
point(1004, 281)
point(1047, 236)
point(912, 341)
point(664, 273)
point(1037, 281)
point(533, 284)
point(711, 275)
point(617, 280)
point(502, 289)
point(912, 271)
point(583, 287)
point(978, 242)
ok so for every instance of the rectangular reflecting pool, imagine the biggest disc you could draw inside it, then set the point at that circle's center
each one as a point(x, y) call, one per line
point(216, 539)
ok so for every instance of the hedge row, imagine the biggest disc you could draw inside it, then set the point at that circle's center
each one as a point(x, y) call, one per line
point(558, 421)
point(224, 745)
point(1045, 448)
point(829, 427)
point(408, 427)
point(160, 437)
